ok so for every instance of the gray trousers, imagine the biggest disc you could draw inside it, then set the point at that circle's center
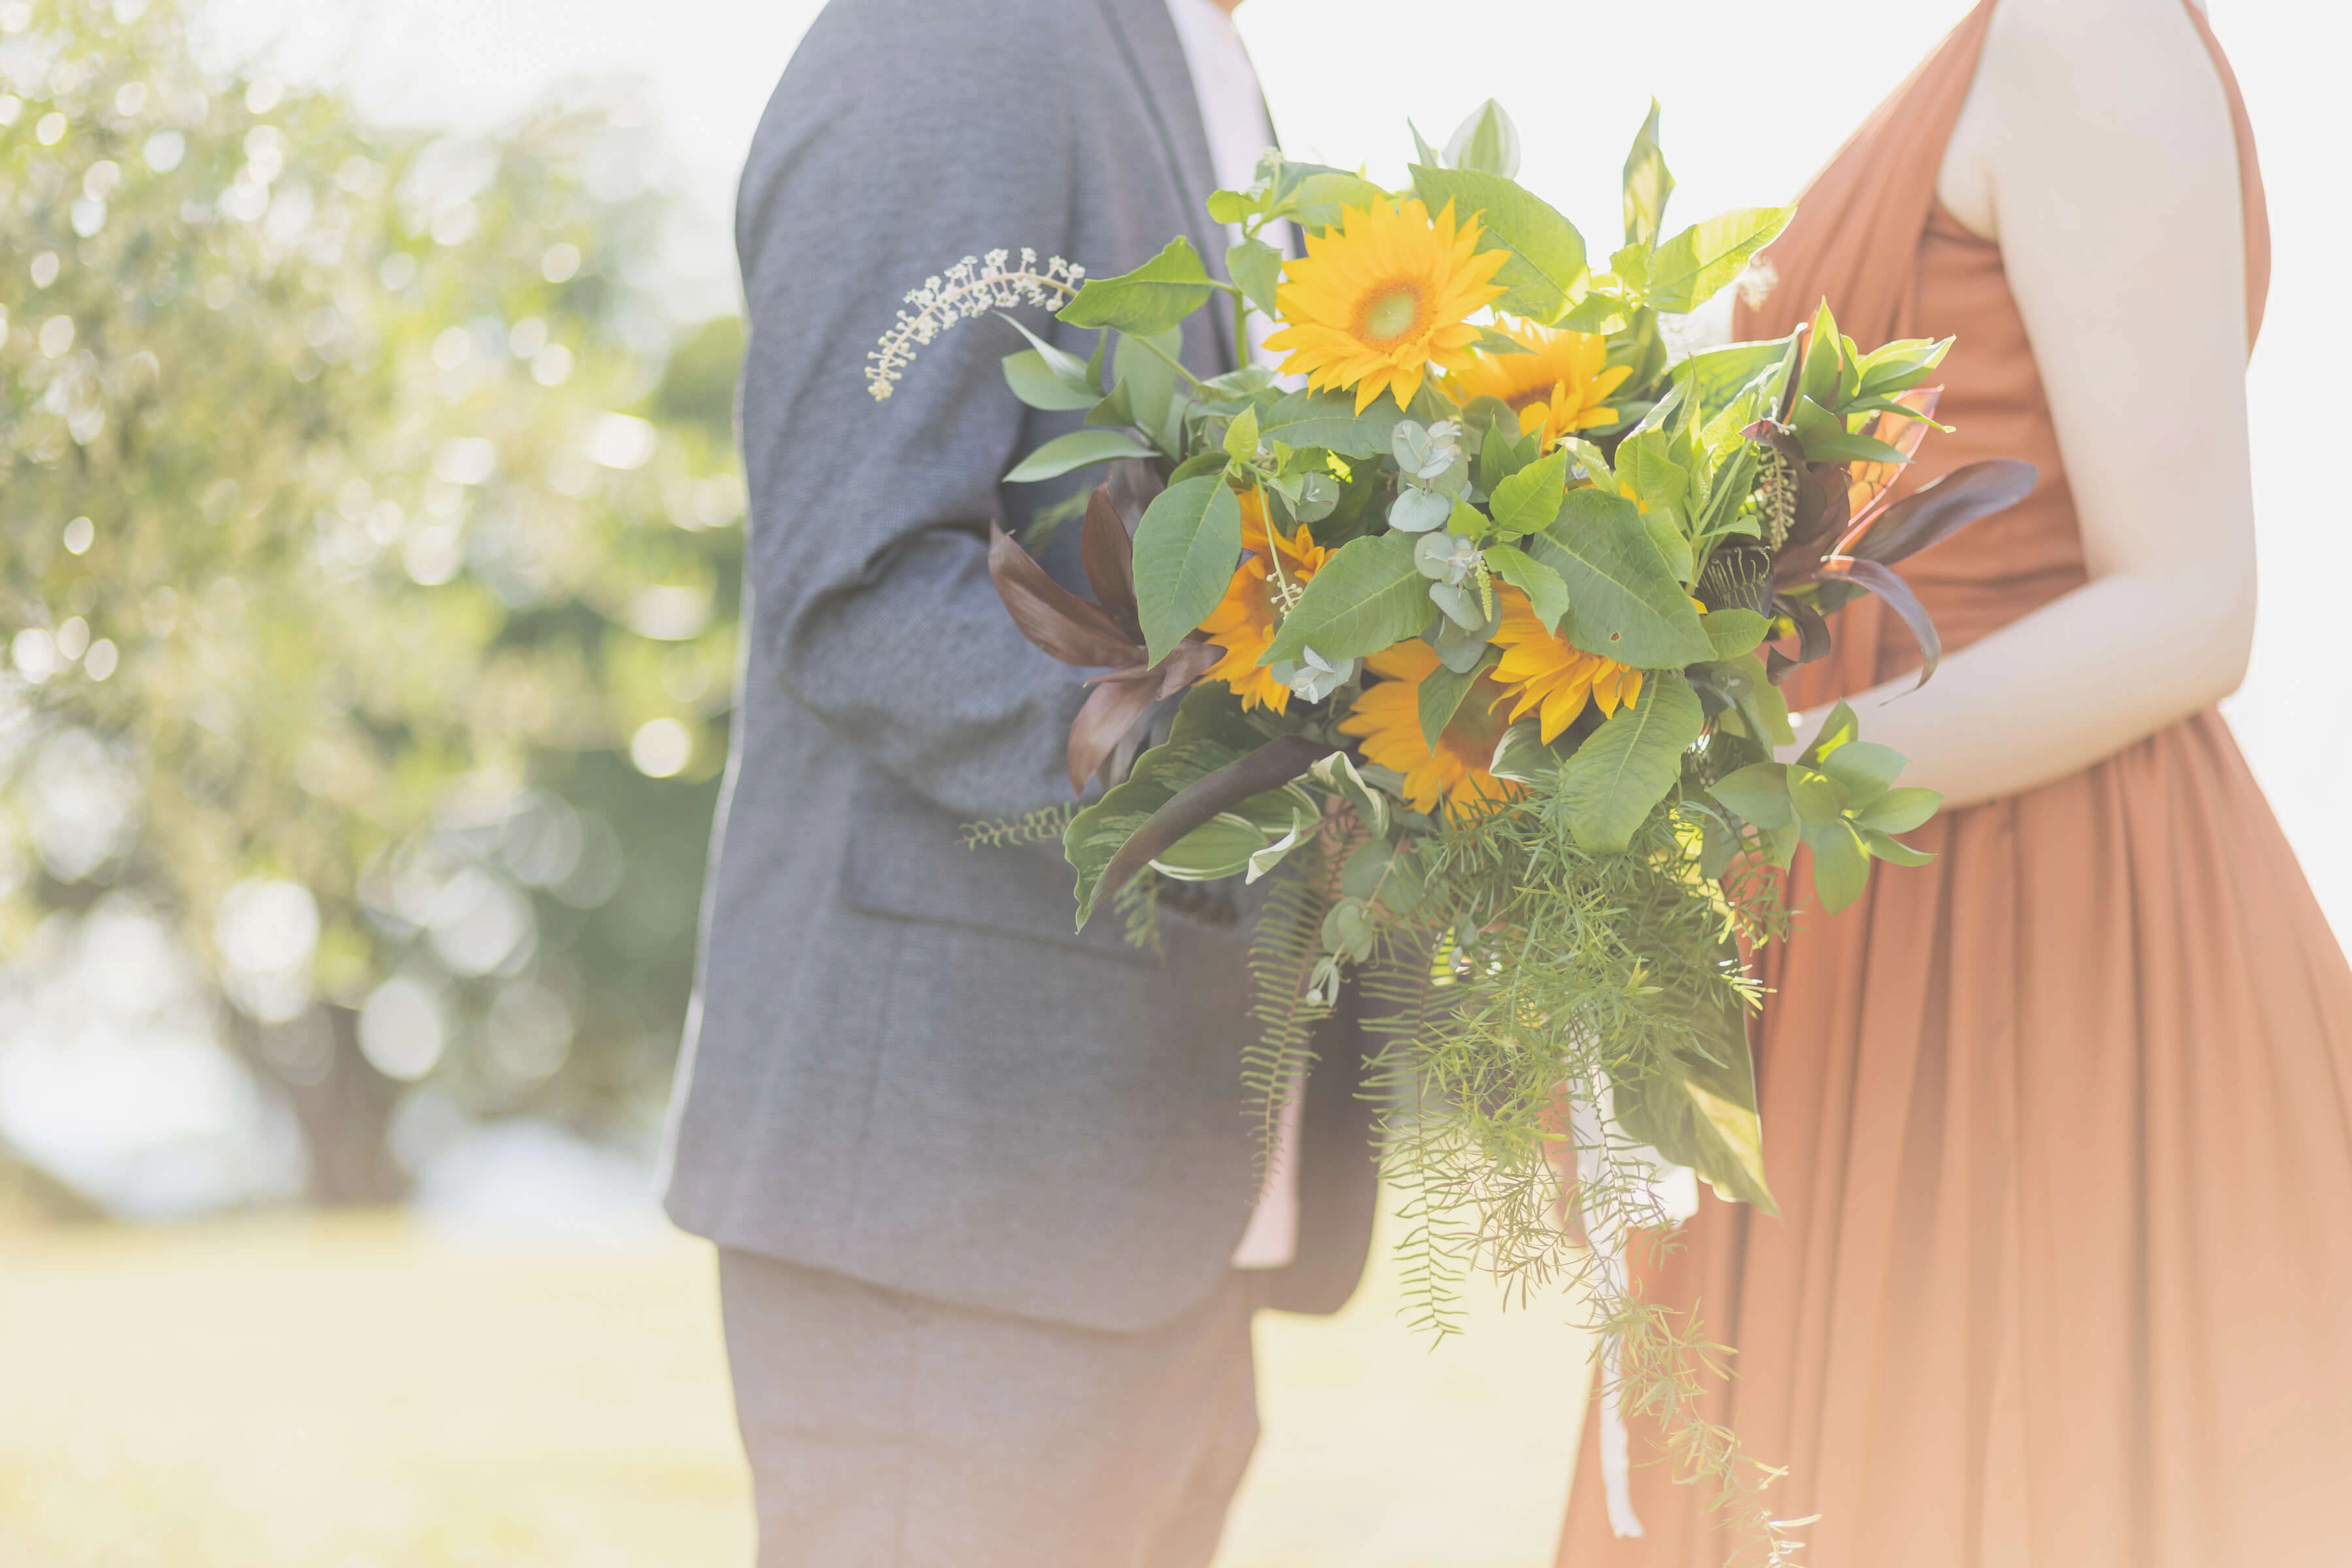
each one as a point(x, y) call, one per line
point(888, 1431)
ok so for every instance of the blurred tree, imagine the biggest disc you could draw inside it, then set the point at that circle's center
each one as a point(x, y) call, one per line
point(367, 592)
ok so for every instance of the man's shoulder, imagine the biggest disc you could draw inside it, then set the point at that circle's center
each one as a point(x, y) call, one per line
point(945, 38)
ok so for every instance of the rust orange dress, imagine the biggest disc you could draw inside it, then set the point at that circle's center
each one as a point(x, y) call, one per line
point(2061, 1124)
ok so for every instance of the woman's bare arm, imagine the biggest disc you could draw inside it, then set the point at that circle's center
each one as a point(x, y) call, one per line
point(2097, 148)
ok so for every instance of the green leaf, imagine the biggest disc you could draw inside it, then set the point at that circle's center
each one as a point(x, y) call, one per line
point(1521, 757)
point(1330, 422)
point(1486, 140)
point(1624, 600)
point(1757, 793)
point(1033, 380)
point(1898, 810)
point(1733, 631)
point(1867, 771)
point(1698, 1108)
point(1185, 551)
point(1153, 297)
point(1626, 766)
point(1715, 377)
point(1841, 865)
point(1313, 195)
point(1546, 273)
point(1546, 592)
point(1819, 799)
point(1370, 596)
point(1442, 694)
point(1839, 728)
point(1819, 378)
point(1151, 384)
point(1098, 833)
point(1256, 267)
point(1900, 366)
point(1529, 500)
point(1647, 183)
point(1117, 410)
point(1234, 207)
point(1690, 269)
point(1064, 365)
point(1337, 772)
point(1240, 436)
point(1656, 480)
point(1631, 266)
point(1079, 449)
point(1599, 311)
point(1893, 850)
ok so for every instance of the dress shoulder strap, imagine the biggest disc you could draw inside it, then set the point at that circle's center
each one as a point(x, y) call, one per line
point(1858, 223)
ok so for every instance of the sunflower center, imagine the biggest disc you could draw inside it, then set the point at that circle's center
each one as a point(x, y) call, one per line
point(1533, 397)
point(1389, 313)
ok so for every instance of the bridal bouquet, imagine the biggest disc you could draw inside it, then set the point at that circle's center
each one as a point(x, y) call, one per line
point(1472, 643)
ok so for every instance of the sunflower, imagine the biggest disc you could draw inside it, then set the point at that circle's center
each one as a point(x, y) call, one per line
point(1545, 671)
point(1556, 387)
point(1244, 622)
point(1383, 296)
point(1387, 719)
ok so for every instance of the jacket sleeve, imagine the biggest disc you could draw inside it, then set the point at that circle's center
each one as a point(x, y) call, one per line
point(871, 601)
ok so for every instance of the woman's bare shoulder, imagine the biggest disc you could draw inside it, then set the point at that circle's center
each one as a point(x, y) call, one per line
point(2059, 73)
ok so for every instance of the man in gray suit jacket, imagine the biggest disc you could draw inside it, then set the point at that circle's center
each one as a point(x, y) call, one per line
point(977, 1180)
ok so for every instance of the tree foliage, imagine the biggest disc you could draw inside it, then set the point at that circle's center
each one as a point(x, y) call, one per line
point(368, 588)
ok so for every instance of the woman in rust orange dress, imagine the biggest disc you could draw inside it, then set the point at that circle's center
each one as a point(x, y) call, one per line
point(2060, 1125)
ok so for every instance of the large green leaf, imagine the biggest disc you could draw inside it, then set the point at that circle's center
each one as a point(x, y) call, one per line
point(1098, 834)
point(1626, 766)
point(1185, 551)
point(1079, 449)
point(1153, 297)
point(1757, 793)
point(1033, 380)
point(1546, 273)
point(1151, 384)
point(1715, 377)
point(1688, 269)
point(1370, 596)
point(1443, 692)
point(1647, 183)
point(1330, 422)
point(1622, 599)
point(1698, 1108)
point(1841, 864)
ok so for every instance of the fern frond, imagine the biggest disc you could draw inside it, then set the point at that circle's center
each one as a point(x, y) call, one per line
point(1046, 824)
point(1285, 945)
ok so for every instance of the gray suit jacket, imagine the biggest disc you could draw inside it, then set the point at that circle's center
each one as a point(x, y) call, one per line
point(902, 1064)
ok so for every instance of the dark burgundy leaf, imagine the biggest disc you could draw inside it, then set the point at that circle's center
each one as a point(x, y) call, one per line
point(1110, 711)
point(1133, 485)
point(1881, 581)
point(1812, 638)
point(1934, 513)
point(1272, 765)
point(1186, 663)
point(1056, 620)
point(1109, 554)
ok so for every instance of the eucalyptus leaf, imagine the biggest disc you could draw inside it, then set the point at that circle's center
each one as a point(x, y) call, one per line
point(1419, 512)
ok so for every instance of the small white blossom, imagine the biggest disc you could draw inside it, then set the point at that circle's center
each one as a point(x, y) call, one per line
point(972, 287)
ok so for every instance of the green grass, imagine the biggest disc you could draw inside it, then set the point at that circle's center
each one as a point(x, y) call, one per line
point(351, 1393)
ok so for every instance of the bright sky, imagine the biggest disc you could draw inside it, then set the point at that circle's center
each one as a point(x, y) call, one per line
point(1756, 98)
